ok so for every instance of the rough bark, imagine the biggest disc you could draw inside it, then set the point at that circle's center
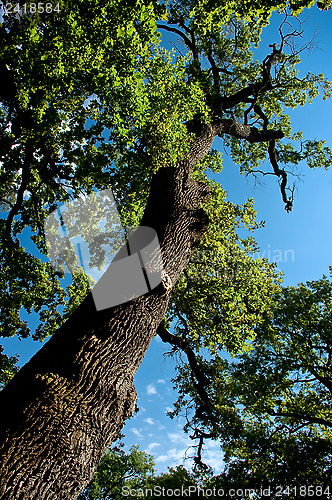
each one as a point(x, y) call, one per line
point(69, 402)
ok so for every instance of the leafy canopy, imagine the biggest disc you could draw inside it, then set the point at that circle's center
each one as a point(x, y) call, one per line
point(90, 98)
point(118, 470)
point(271, 407)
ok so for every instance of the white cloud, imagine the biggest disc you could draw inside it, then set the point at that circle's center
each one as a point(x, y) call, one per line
point(176, 455)
point(151, 447)
point(161, 381)
point(179, 437)
point(151, 389)
point(213, 455)
point(173, 457)
point(137, 432)
point(163, 458)
point(149, 421)
point(88, 100)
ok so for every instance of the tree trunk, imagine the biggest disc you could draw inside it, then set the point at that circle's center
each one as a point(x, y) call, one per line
point(69, 402)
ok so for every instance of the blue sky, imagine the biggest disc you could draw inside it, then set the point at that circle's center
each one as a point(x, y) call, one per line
point(300, 240)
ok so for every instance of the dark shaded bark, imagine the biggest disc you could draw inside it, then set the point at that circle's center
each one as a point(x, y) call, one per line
point(69, 402)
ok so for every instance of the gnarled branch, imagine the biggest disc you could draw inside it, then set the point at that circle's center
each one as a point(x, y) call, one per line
point(247, 132)
point(280, 173)
point(202, 382)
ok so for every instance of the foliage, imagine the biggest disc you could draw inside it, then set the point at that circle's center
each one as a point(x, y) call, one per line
point(8, 367)
point(131, 474)
point(178, 480)
point(224, 291)
point(90, 95)
point(118, 470)
point(89, 98)
point(59, 61)
point(276, 432)
point(272, 405)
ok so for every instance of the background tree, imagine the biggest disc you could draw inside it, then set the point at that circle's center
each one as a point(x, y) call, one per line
point(121, 474)
point(116, 470)
point(276, 398)
point(7, 367)
point(90, 99)
point(179, 480)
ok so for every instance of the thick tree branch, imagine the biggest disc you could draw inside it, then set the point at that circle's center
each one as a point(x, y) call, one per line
point(247, 132)
point(8, 89)
point(307, 418)
point(241, 131)
point(215, 71)
point(202, 380)
point(249, 95)
point(253, 89)
point(198, 434)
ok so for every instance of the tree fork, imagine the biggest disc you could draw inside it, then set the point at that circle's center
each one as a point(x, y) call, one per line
point(69, 402)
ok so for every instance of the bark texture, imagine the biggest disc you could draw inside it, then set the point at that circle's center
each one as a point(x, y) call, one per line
point(69, 402)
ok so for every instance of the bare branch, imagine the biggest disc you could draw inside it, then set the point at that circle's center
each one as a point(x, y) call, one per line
point(183, 344)
point(280, 173)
